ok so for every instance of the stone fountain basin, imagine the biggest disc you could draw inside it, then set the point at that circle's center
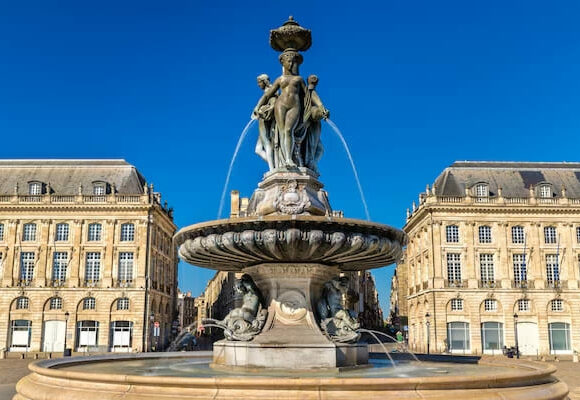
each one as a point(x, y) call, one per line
point(108, 377)
point(234, 244)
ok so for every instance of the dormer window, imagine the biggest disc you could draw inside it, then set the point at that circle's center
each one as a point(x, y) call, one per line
point(34, 188)
point(99, 188)
point(481, 190)
point(545, 191)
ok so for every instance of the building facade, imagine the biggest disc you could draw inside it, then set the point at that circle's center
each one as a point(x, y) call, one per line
point(186, 309)
point(493, 260)
point(363, 299)
point(86, 258)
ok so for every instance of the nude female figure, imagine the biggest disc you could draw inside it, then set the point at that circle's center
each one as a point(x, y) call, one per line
point(288, 108)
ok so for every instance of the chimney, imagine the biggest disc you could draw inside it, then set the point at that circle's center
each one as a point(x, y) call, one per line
point(234, 204)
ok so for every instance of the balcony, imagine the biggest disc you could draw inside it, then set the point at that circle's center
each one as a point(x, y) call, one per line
point(90, 283)
point(455, 283)
point(124, 283)
point(487, 283)
point(557, 284)
point(519, 284)
point(25, 282)
point(57, 283)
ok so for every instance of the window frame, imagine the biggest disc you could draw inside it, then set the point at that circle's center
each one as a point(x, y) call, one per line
point(123, 304)
point(95, 232)
point(22, 303)
point(127, 233)
point(55, 303)
point(92, 267)
point(89, 303)
point(452, 234)
point(550, 235)
point(484, 234)
point(456, 304)
point(62, 232)
point(34, 188)
point(29, 231)
point(518, 234)
point(490, 305)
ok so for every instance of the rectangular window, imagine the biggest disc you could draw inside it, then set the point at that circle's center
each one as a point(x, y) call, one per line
point(552, 269)
point(458, 336)
point(456, 304)
point(487, 269)
point(125, 267)
point(452, 233)
point(485, 234)
point(550, 235)
point(95, 231)
point(492, 336)
point(518, 235)
point(559, 337)
point(122, 332)
point(61, 233)
point(93, 267)
point(29, 232)
point(59, 266)
point(454, 267)
point(481, 190)
point(26, 266)
point(578, 234)
point(545, 191)
point(87, 334)
point(20, 330)
point(523, 305)
point(520, 268)
point(490, 305)
point(99, 189)
point(1, 232)
point(127, 232)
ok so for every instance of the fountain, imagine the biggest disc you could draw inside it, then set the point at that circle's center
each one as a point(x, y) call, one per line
point(291, 338)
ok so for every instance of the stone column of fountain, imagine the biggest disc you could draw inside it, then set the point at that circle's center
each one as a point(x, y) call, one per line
point(290, 246)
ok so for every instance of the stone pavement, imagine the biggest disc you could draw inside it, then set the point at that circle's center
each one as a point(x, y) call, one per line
point(569, 372)
point(12, 370)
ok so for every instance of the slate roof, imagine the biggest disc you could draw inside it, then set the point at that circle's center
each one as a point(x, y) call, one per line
point(515, 178)
point(65, 176)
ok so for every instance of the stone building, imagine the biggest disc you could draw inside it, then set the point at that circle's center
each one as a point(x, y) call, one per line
point(363, 299)
point(398, 298)
point(494, 256)
point(86, 254)
point(186, 309)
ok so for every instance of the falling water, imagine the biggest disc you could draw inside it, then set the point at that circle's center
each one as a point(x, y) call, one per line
point(379, 342)
point(188, 329)
point(362, 196)
point(240, 141)
point(390, 337)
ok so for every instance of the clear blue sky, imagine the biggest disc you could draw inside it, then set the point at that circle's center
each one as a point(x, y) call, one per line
point(414, 85)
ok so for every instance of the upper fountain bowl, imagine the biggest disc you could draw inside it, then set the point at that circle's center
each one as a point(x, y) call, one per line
point(234, 244)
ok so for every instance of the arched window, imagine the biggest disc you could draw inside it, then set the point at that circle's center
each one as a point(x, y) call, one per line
point(545, 191)
point(99, 188)
point(481, 190)
point(55, 303)
point(523, 305)
point(22, 303)
point(557, 305)
point(490, 305)
point(123, 303)
point(89, 303)
point(34, 188)
point(456, 304)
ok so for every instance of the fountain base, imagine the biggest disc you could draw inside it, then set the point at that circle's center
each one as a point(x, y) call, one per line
point(289, 356)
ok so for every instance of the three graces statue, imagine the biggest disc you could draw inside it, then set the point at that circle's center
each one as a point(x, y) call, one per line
point(290, 113)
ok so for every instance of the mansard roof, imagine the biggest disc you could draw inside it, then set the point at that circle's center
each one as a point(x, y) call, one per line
point(66, 176)
point(514, 178)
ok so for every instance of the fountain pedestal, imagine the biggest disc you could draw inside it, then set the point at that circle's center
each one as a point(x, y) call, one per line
point(291, 337)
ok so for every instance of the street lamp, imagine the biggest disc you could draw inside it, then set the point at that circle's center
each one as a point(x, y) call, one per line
point(516, 333)
point(428, 323)
point(67, 352)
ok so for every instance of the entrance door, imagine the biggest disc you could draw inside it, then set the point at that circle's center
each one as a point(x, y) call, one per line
point(528, 338)
point(53, 336)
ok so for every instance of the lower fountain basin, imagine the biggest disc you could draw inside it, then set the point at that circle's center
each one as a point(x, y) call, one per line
point(188, 376)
